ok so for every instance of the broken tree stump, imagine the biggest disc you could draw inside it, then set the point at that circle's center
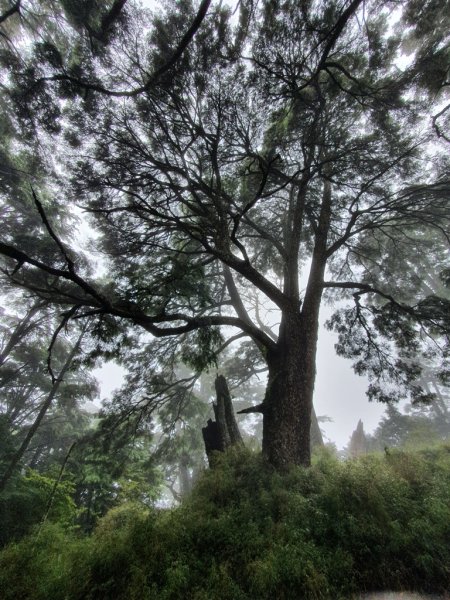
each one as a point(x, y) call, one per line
point(224, 432)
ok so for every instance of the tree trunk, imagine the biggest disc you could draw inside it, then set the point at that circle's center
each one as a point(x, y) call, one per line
point(54, 489)
point(212, 439)
point(185, 479)
point(224, 432)
point(288, 402)
point(289, 395)
point(219, 413)
point(224, 398)
point(21, 330)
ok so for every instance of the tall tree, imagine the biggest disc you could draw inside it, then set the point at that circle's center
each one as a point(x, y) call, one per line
point(42, 384)
point(358, 444)
point(42, 410)
point(265, 157)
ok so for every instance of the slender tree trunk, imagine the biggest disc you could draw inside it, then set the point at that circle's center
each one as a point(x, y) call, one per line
point(42, 412)
point(87, 521)
point(22, 328)
point(36, 456)
point(55, 487)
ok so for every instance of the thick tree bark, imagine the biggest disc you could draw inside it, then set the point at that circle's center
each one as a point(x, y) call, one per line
point(288, 402)
point(219, 413)
point(289, 395)
point(212, 439)
point(316, 433)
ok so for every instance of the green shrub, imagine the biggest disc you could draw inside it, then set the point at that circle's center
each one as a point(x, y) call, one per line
point(247, 532)
point(24, 502)
point(42, 566)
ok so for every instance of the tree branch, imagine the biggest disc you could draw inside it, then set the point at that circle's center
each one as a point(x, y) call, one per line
point(40, 208)
point(109, 18)
point(133, 312)
point(259, 408)
point(365, 288)
point(66, 317)
point(180, 49)
point(15, 8)
point(436, 126)
point(336, 32)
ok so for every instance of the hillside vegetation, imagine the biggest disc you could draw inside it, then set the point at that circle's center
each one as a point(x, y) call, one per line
point(247, 532)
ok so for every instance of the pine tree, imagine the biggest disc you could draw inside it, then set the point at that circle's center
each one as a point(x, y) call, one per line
point(220, 161)
point(358, 442)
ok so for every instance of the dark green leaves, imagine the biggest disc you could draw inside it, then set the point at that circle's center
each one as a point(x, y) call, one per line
point(200, 349)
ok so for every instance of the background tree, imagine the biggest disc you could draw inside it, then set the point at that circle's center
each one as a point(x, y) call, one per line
point(31, 399)
point(417, 427)
point(40, 419)
point(358, 442)
point(112, 464)
point(58, 461)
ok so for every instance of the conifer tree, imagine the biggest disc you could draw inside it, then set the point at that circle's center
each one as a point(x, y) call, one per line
point(358, 442)
point(268, 156)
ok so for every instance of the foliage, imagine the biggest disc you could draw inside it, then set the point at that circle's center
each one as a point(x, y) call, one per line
point(112, 465)
point(420, 426)
point(24, 503)
point(30, 397)
point(248, 532)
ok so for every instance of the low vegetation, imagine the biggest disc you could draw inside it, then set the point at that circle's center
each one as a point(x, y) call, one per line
point(246, 532)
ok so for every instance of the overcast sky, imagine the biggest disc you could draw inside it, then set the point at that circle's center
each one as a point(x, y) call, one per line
point(340, 394)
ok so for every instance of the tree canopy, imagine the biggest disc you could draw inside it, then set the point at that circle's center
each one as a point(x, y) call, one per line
point(235, 166)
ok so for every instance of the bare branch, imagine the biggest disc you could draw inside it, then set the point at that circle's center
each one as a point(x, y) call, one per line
point(66, 318)
point(69, 261)
point(336, 31)
point(365, 288)
point(259, 408)
point(436, 126)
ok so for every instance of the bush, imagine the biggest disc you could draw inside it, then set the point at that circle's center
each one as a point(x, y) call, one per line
point(23, 504)
point(247, 532)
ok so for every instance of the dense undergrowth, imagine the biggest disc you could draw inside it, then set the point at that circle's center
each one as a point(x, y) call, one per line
point(338, 528)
